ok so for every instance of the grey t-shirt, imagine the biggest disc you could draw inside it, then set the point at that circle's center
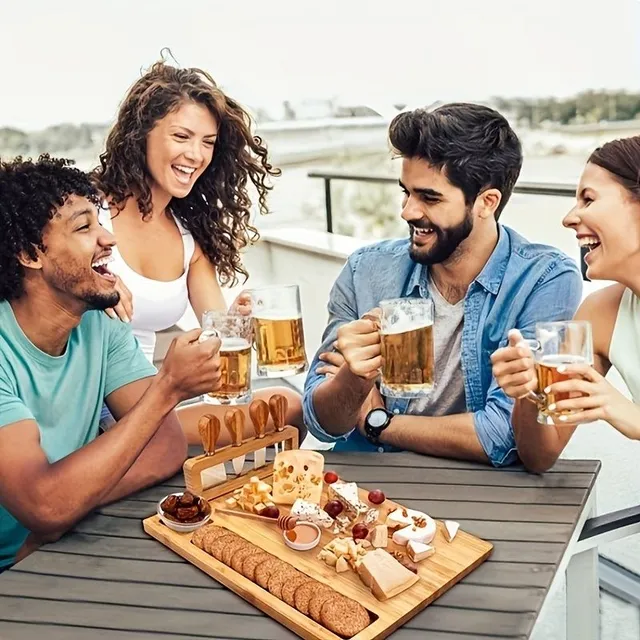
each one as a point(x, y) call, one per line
point(447, 397)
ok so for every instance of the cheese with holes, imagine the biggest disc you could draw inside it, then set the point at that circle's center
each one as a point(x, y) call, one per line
point(311, 512)
point(418, 551)
point(347, 494)
point(450, 529)
point(297, 474)
point(384, 575)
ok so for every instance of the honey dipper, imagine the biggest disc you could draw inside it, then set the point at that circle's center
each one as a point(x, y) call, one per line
point(284, 522)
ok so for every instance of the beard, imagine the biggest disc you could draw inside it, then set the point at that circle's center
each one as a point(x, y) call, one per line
point(101, 301)
point(72, 283)
point(446, 240)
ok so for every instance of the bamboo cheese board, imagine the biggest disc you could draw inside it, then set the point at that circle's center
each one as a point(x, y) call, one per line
point(250, 556)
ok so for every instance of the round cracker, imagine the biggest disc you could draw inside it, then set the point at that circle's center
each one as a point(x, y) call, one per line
point(198, 535)
point(278, 578)
point(289, 588)
point(231, 548)
point(212, 535)
point(304, 593)
point(343, 616)
point(318, 599)
point(250, 563)
point(265, 569)
point(220, 544)
point(241, 554)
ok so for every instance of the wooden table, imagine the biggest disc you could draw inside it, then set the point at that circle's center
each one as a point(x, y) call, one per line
point(107, 579)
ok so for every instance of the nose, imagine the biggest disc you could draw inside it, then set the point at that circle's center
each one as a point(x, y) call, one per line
point(410, 209)
point(572, 219)
point(194, 152)
point(106, 238)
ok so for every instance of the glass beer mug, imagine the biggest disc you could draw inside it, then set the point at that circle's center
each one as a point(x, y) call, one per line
point(278, 330)
point(556, 344)
point(406, 336)
point(235, 333)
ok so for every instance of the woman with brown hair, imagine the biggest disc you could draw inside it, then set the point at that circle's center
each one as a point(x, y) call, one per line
point(175, 178)
point(606, 220)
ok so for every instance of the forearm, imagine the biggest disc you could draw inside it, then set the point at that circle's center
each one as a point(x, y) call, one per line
point(539, 445)
point(447, 436)
point(162, 458)
point(338, 400)
point(627, 420)
point(73, 486)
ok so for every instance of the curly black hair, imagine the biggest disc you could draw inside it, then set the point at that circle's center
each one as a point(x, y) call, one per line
point(217, 209)
point(30, 194)
point(474, 145)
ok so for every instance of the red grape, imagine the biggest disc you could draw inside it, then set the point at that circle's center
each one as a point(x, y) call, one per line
point(333, 508)
point(359, 531)
point(376, 496)
point(270, 512)
point(330, 477)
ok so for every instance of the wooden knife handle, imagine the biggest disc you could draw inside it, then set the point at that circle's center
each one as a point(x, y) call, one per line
point(209, 430)
point(259, 413)
point(234, 421)
point(278, 406)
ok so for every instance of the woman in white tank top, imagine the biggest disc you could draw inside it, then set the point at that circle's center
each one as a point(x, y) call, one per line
point(606, 219)
point(174, 176)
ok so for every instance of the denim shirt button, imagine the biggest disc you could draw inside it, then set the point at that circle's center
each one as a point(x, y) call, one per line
point(396, 411)
point(380, 449)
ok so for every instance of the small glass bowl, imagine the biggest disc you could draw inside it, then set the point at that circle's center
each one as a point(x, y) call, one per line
point(183, 527)
point(303, 546)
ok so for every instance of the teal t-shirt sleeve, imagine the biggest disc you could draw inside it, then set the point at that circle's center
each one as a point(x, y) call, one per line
point(12, 409)
point(125, 361)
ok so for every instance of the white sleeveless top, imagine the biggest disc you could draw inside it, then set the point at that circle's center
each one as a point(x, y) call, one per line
point(157, 305)
point(624, 352)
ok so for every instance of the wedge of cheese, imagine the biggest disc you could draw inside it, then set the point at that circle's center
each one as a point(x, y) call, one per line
point(418, 551)
point(347, 494)
point(297, 474)
point(384, 575)
point(450, 529)
point(311, 512)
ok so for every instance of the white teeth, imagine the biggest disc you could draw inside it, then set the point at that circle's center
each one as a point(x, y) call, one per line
point(187, 170)
point(102, 262)
point(588, 241)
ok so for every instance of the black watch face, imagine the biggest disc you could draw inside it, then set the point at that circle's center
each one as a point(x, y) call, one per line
point(378, 418)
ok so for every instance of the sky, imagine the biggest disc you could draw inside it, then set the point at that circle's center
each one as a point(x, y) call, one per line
point(72, 61)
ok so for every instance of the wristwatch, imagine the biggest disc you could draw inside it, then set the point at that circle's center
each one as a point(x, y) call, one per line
point(375, 423)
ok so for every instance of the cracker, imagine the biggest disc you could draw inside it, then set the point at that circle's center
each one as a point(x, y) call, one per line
point(265, 569)
point(343, 616)
point(250, 563)
point(289, 588)
point(212, 535)
point(318, 599)
point(220, 544)
point(241, 554)
point(230, 550)
point(198, 535)
point(278, 578)
point(304, 593)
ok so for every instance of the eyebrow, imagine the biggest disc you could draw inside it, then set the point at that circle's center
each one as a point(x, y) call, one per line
point(423, 191)
point(82, 212)
point(191, 133)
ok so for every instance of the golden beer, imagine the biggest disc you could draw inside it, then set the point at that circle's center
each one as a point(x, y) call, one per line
point(280, 345)
point(548, 374)
point(235, 366)
point(408, 361)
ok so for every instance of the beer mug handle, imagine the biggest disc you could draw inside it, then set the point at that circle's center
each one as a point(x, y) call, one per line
point(534, 346)
point(208, 333)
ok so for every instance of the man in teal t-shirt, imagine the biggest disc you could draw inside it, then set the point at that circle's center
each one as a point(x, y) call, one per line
point(61, 357)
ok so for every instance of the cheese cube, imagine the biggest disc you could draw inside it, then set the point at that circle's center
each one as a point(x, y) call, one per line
point(232, 503)
point(379, 536)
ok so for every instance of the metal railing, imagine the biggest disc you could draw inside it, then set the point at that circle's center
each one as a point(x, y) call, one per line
point(526, 188)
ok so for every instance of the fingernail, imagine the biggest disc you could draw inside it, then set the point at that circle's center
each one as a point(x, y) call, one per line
point(552, 406)
point(562, 368)
point(547, 389)
point(126, 319)
point(562, 418)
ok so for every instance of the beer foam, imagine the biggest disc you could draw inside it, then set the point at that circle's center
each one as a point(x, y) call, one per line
point(234, 344)
point(277, 315)
point(559, 359)
point(405, 326)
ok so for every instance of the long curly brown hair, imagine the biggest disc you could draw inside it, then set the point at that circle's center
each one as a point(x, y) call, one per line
point(217, 209)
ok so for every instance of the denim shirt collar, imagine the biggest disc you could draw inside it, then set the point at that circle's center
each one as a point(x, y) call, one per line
point(489, 278)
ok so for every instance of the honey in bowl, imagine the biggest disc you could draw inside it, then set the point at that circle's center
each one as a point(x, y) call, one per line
point(303, 536)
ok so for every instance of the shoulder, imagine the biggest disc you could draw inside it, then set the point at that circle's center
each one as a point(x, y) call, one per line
point(544, 256)
point(602, 303)
point(384, 249)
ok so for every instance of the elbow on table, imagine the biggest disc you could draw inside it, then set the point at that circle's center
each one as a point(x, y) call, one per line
point(538, 462)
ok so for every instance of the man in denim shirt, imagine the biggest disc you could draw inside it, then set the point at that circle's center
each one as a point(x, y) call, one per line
point(459, 166)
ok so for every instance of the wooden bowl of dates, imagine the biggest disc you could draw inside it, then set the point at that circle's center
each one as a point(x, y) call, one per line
point(184, 511)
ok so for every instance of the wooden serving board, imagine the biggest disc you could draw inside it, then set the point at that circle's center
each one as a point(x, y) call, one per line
point(451, 562)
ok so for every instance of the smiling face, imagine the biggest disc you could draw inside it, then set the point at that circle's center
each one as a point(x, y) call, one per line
point(180, 148)
point(606, 219)
point(77, 252)
point(439, 219)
